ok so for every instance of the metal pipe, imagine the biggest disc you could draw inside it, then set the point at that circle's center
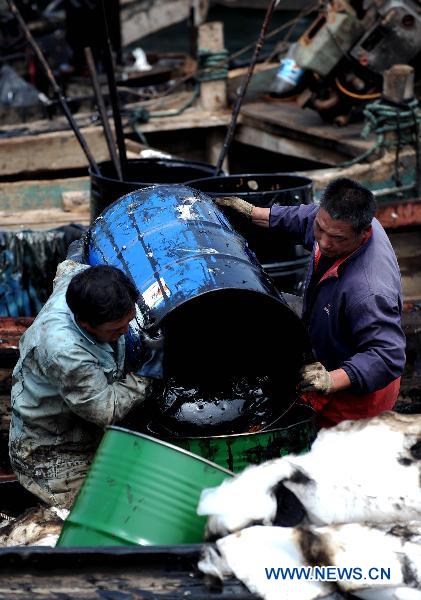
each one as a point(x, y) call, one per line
point(393, 190)
point(103, 112)
point(244, 85)
point(109, 69)
point(57, 90)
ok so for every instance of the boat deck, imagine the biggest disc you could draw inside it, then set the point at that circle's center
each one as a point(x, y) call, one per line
point(288, 129)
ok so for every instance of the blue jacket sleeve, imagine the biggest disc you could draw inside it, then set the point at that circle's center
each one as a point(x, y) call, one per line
point(85, 389)
point(297, 221)
point(375, 326)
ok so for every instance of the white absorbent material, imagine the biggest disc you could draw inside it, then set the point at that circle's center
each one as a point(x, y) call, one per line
point(357, 472)
point(254, 556)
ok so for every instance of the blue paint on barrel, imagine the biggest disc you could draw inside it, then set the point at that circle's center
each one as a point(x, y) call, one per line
point(199, 282)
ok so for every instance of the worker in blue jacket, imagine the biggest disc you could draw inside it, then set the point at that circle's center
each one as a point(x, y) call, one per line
point(352, 301)
point(70, 381)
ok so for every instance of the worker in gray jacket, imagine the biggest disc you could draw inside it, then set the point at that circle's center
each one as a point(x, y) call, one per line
point(69, 382)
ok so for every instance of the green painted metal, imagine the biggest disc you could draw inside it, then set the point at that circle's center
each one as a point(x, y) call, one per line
point(140, 490)
point(235, 452)
point(31, 195)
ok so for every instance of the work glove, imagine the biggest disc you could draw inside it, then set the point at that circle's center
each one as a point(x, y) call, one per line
point(238, 204)
point(76, 250)
point(315, 378)
point(152, 354)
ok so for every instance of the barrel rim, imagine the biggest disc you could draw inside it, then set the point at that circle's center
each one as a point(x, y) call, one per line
point(149, 160)
point(307, 182)
point(231, 436)
point(158, 320)
point(172, 447)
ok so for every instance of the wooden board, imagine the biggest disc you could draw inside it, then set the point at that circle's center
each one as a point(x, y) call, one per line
point(57, 150)
point(281, 144)
point(41, 218)
point(37, 149)
point(192, 118)
point(290, 121)
point(155, 572)
point(141, 17)
point(34, 194)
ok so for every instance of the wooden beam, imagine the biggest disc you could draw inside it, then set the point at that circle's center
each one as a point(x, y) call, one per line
point(253, 136)
point(213, 94)
point(192, 118)
point(304, 125)
point(375, 175)
point(41, 218)
point(139, 18)
point(58, 150)
point(38, 194)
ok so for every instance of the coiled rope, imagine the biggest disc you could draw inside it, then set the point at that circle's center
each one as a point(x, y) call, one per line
point(212, 65)
point(383, 117)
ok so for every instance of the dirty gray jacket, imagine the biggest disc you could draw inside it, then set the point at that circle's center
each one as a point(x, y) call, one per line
point(66, 388)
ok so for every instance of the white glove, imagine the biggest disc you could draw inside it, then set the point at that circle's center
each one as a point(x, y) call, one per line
point(316, 378)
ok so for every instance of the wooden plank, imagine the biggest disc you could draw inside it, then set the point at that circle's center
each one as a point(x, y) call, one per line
point(376, 174)
point(304, 125)
point(260, 82)
point(159, 572)
point(253, 136)
point(58, 150)
point(294, 5)
point(192, 118)
point(34, 194)
point(42, 218)
point(142, 17)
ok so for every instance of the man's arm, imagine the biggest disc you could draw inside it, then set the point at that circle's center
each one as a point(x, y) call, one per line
point(297, 221)
point(85, 389)
point(260, 216)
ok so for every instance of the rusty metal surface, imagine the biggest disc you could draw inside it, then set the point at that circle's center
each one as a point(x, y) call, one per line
point(409, 400)
point(11, 329)
point(401, 214)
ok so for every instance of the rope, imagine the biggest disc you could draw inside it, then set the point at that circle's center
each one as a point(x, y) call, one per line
point(143, 115)
point(212, 65)
point(383, 117)
point(356, 96)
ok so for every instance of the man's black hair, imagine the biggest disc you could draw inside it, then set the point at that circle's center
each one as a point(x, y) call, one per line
point(347, 200)
point(101, 294)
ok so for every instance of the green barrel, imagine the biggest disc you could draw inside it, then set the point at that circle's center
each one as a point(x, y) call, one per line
point(140, 490)
point(237, 451)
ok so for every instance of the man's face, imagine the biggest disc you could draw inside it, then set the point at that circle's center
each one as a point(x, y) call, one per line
point(336, 238)
point(111, 330)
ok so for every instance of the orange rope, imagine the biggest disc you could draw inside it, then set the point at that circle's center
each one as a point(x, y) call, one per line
point(357, 96)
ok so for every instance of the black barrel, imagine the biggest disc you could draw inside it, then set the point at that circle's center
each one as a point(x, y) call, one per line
point(280, 256)
point(106, 188)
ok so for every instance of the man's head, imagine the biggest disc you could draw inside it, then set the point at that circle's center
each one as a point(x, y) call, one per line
point(343, 221)
point(103, 301)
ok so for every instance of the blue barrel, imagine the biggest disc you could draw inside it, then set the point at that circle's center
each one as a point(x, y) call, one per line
point(285, 261)
point(200, 283)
